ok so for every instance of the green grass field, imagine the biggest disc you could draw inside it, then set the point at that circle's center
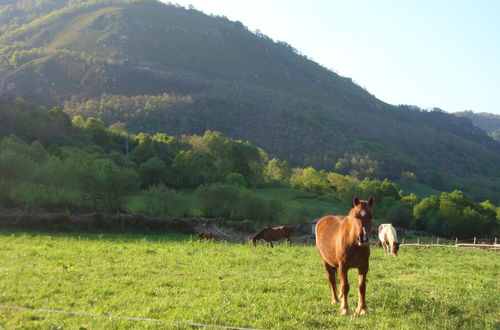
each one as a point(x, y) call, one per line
point(175, 278)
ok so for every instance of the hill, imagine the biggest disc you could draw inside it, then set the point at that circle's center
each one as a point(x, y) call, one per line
point(158, 67)
point(488, 122)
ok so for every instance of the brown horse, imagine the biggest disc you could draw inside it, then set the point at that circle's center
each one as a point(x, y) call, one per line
point(206, 235)
point(343, 244)
point(269, 234)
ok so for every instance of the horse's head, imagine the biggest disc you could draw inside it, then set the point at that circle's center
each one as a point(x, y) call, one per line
point(395, 248)
point(362, 214)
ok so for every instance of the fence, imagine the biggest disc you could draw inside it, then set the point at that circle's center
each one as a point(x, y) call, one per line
point(473, 243)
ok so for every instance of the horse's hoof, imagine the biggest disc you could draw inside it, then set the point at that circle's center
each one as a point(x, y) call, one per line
point(344, 312)
point(362, 311)
point(335, 301)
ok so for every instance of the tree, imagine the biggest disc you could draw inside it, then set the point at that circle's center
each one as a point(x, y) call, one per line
point(98, 134)
point(426, 215)
point(106, 185)
point(277, 171)
point(56, 114)
point(191, 169)
point(144, 149)
point(216, 143)
point(315, 181)
point(236, 179)
point(344, 186)
point(153, 172)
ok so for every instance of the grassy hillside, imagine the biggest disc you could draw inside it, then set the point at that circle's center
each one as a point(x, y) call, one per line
point(174, 279)
point(116, 59)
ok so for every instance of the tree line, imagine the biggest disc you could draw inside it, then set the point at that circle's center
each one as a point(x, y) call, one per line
point(51, 161)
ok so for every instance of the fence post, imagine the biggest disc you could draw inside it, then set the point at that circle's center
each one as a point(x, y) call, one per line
point(474, 240)
point(456, 240)
point(418, 241)
point(496, 241)
point(437, 241)
point(403, 241)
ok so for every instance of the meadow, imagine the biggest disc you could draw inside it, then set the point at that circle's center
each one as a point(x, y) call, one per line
point(177, 278)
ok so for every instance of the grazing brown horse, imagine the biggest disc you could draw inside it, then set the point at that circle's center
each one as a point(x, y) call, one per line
point(206, 235)
point(343, 244)
point(269, 234)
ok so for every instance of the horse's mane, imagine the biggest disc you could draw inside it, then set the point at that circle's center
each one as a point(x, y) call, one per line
point(257, 236)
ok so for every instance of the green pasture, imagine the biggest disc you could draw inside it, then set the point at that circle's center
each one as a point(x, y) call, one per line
point(298, 206)
point(180, 279)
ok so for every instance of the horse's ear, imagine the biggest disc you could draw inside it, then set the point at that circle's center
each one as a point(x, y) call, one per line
point(370, 201)
point(355, 200)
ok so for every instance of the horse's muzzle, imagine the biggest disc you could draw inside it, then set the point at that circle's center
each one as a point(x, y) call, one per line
point(363, 241)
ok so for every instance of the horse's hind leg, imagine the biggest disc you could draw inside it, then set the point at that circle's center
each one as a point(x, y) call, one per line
point(331, 274)
point(344, 289)
point(384, 245)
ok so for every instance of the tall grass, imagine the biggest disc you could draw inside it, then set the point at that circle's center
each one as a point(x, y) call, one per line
point(175, 278)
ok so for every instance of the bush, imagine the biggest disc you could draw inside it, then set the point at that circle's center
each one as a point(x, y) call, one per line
point(301, 215)
point(254, 207)
point(106, 186)
point(218, 200)
point(160, 201)
point(236, 179)
point(153, 172)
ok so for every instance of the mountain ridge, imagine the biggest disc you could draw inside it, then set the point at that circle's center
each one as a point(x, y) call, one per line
point(245, 85)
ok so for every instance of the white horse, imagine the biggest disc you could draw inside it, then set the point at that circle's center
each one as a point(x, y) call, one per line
point(389, 239)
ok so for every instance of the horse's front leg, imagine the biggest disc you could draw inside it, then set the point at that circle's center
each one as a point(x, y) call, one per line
point(344, 289)
point(361, 310)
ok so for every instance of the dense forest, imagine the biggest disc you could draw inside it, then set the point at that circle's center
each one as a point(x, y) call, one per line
point(151, 67)
point(50, 161)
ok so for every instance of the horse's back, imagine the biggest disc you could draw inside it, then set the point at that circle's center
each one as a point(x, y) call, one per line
point(386, 231)
point(326, 226)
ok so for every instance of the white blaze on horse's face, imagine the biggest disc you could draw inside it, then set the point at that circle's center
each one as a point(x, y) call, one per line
point(363, 236)
point(363, 213)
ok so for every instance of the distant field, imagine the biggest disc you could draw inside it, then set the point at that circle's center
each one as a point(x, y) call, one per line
point(175, 278)
point(299, 206)
point(421, 190)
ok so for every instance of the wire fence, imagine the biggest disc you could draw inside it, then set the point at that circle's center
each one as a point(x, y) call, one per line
point(473, 243)
point(128, 318)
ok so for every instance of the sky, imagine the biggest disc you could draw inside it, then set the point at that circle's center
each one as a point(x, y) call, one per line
point(428, 53)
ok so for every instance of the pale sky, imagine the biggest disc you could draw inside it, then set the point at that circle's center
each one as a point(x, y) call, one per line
point(428, 53)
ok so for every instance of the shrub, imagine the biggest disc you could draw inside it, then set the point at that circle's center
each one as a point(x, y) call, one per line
point(153, 171)
point(218, 200)
point(106, 186)
point(160, 201)
point(254, 207)
point(236, 179)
